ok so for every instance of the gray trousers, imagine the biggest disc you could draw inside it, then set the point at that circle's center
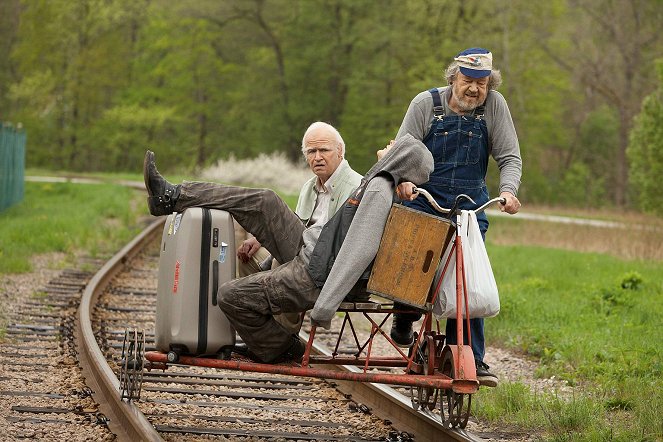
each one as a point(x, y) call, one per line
point(250, 302)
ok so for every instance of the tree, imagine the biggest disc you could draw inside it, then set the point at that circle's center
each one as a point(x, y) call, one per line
point(69, 75)
point(9, 20)
point(608, 48)
point(645, 151)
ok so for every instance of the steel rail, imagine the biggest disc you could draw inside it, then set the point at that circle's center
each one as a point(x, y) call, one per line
point(127, 422)
point(387, 403)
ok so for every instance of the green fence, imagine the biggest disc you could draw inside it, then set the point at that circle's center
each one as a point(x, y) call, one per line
point(12, 164)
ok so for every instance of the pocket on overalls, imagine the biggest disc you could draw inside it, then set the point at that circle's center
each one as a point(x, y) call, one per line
point(445, 149)
point(457, 147)
point(439, 140)
point(470, 145)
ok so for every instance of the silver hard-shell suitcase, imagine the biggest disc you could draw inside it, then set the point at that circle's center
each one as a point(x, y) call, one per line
point(197, 255)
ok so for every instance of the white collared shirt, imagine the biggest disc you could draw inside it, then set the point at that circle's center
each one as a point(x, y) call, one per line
point(320, 214)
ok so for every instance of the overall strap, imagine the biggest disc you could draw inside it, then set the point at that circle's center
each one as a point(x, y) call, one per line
point(438, 107)
point(480, 111)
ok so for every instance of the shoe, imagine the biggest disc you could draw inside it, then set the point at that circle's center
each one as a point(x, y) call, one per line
point(241, 349)
point(162, 194)
point(485, 377)
point(294, 353)
point(401, 332)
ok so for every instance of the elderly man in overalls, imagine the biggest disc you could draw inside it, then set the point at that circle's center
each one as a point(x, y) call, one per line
point(463, 124)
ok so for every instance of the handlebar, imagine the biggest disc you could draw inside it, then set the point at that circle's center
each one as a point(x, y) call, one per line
point(500, 200)
point(437, 207)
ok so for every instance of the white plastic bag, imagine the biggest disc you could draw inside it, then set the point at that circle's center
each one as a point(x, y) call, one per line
point(483, 297)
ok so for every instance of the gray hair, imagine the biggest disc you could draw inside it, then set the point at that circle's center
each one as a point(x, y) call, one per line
point(494, 80)
point(328, 127)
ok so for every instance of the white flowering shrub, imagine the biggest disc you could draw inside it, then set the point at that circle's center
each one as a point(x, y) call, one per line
point(274, 171)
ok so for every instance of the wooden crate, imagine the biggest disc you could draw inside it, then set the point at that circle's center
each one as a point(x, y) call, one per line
point(410, 250)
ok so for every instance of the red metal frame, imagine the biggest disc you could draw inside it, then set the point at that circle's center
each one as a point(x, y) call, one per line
point(462, 380)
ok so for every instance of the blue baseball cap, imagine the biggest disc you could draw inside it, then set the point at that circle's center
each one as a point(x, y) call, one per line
point(475, 62)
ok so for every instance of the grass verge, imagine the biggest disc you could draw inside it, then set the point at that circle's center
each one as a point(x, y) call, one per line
point(97, 219)
point(592, 320)
point(68, 218)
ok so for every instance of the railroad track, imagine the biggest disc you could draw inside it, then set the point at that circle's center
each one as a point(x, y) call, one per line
point(184, 403)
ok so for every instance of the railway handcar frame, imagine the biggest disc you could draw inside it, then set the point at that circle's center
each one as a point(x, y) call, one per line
point(432, 369)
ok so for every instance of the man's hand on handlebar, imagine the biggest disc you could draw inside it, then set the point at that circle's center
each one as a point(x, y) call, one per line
point(512, 204)
point(405, 191)
point(248, 248)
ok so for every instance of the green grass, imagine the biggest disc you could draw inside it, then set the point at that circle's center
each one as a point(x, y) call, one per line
point(68, 218)
point(97, 219)
point(592, 320)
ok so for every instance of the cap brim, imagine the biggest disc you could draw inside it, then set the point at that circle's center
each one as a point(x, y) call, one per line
point(474, 73)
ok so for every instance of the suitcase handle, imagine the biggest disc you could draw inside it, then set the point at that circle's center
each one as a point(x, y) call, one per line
point(215, 280)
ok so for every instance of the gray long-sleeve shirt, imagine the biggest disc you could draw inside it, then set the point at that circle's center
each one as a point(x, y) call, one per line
point(502, 137)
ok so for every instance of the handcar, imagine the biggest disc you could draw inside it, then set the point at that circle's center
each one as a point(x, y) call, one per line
point(402, 281)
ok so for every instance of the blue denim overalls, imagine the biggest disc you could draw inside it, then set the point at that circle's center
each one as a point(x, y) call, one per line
point(459, 144)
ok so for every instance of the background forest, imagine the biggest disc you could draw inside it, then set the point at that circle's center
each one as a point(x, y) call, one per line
point(96, 82)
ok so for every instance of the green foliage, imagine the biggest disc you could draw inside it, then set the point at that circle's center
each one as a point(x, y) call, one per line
point(96, 82)
point(632, 281)
point(8, 30)
point(552, 416)
point(578, 188)
point(645, 150)
point(43, 222)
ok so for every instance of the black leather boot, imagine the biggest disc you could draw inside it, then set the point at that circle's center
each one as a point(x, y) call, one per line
point(162, 194)
point(401, 331)
point(292, 353)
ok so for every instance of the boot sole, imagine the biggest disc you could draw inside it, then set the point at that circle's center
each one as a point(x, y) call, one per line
point(487, 381)
point(149, 157)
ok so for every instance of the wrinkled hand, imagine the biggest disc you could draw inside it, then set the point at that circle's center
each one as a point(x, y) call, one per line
point(512, 205)
point(248, 248)
point(404, 191)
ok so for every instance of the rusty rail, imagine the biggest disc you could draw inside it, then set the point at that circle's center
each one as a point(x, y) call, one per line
point(126, 420)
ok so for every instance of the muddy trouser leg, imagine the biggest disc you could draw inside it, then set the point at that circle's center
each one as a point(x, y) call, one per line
point(259, 211)
point(250, 303)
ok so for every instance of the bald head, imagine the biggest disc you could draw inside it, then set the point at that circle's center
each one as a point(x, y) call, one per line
point(323, 148)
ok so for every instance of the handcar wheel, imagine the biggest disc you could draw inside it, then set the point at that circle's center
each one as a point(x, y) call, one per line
point(123, 366)
point(425, 396)
point(131, 364)
point(458, 405)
